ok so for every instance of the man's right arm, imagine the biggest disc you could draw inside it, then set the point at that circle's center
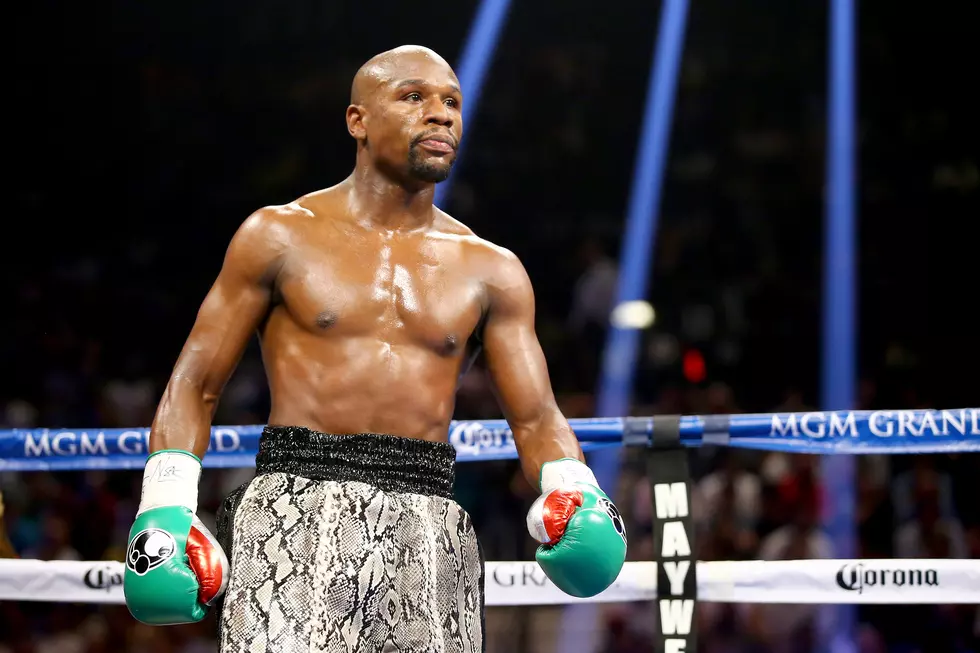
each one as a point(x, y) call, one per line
point(227, 318)
point(175, 568)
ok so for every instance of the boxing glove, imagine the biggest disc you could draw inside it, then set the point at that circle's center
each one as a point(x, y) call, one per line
point(582, 535)
point(175, 569)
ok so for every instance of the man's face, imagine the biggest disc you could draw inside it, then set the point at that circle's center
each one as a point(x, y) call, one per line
point(412, 121)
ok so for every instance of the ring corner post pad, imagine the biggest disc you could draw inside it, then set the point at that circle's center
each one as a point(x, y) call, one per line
point(673, 538)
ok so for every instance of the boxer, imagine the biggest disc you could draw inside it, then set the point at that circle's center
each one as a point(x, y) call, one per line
point(369, 303)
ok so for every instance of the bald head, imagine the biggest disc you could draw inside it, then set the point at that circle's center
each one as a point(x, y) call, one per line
point(401, 62)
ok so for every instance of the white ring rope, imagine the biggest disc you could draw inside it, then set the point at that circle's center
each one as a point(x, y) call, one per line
point(885, 581)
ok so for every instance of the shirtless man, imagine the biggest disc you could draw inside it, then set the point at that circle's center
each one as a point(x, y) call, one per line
point(369, 303)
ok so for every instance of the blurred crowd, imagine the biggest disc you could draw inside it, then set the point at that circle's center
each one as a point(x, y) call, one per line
point(215, 116)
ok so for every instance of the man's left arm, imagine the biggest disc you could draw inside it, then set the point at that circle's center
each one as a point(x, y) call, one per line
point(519, 374)
point(581, 531)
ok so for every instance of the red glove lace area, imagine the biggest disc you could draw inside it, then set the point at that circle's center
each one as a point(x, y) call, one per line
point(559, 506)
point(205, 560)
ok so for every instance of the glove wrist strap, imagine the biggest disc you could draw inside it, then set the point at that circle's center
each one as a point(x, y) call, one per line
point(564, 472)
point(170, 478)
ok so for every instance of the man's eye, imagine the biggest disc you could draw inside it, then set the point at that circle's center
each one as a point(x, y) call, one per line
point(452, 102)
point(414, 97)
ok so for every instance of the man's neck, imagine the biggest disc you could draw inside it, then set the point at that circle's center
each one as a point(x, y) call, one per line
point(380, 201)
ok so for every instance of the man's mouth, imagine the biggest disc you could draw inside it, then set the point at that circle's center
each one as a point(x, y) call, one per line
point(438, 144)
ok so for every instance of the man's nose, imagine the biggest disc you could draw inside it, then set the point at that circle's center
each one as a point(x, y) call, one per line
point(436, 112)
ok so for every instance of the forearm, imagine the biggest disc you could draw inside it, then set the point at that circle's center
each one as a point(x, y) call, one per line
point(6, 548)
point(546, 439)
point(183, 418)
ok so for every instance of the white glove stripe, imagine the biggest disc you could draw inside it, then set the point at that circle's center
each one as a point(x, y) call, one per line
point(170, 479)
point(565, 472)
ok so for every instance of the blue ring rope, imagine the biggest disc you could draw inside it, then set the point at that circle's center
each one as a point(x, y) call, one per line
point(818, 432)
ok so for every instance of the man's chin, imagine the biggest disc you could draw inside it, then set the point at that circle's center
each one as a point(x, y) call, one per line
point(432, 174)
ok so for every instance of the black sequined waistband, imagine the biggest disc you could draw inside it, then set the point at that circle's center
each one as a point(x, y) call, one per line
point(388, 462)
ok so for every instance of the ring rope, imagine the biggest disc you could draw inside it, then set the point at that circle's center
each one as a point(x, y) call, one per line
point(908, 581)
point(818, 432)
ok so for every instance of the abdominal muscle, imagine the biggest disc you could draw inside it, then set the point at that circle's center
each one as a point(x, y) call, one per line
point(360, 385)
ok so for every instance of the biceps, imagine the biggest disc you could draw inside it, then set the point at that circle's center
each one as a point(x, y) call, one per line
point(519, 372)
point(225, 322)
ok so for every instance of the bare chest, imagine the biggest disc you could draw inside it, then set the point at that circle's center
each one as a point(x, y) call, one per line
point(413, 291)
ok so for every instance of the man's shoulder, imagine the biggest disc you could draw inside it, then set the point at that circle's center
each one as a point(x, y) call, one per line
point(264, 237)
point(281, 223)
point(499, 269)
point(276, 220)
point(477, 245)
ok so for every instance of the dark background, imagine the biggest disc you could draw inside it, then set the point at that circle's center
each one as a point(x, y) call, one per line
point(141, 134)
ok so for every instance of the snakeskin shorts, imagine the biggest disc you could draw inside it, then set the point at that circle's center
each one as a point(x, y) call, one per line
point(350, 543)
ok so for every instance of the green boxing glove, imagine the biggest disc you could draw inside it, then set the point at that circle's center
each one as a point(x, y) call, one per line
point(582, 535)
point(175, 568)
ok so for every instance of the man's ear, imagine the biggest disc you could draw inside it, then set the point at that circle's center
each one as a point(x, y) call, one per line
point(355, 121)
